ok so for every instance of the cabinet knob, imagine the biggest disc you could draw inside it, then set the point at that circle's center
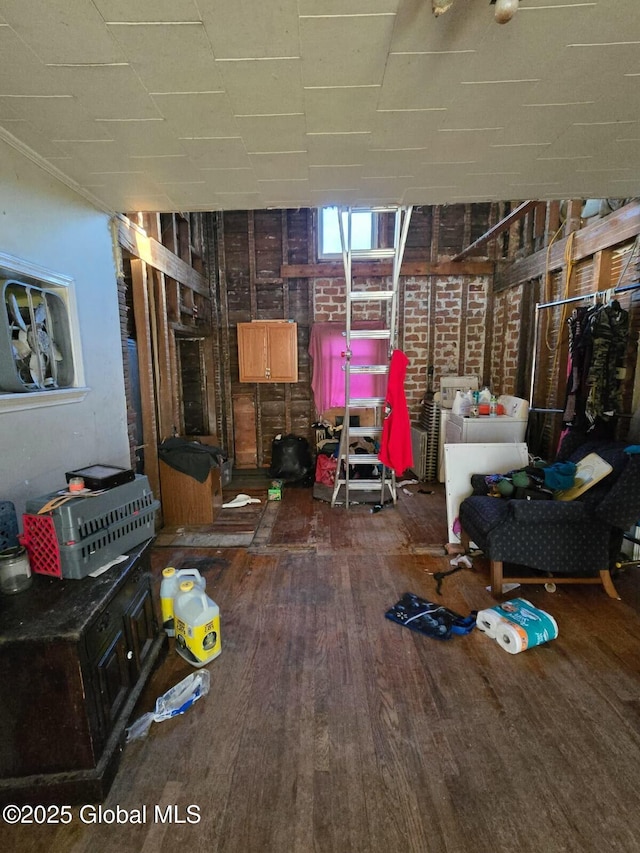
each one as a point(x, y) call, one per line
point(129, 655)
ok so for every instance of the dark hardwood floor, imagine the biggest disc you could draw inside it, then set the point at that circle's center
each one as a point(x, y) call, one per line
point(329, 728)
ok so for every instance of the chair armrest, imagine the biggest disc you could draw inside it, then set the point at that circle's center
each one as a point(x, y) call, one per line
point(541, 512)
point(621, 506)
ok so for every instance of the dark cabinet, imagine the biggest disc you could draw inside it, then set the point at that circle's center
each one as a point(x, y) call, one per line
point(74, 657)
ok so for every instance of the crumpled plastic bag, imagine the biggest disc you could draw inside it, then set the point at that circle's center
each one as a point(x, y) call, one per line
point(177, 700)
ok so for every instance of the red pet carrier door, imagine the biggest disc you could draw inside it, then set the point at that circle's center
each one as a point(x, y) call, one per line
point(41, 542)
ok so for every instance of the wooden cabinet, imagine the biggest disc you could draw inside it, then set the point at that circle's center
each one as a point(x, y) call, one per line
point(185, 500)
point(268, 351)
point(74, 658)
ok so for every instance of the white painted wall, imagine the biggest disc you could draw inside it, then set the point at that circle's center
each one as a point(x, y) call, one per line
point(45, 223)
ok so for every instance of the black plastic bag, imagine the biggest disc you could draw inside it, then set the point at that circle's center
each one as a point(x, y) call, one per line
point(291, 459)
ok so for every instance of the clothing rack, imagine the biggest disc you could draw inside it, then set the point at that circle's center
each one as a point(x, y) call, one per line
point(542, 305)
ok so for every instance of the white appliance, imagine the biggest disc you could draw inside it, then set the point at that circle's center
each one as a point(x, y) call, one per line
point(485, 429)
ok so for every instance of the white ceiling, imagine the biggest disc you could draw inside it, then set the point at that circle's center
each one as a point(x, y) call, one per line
point(219, 104)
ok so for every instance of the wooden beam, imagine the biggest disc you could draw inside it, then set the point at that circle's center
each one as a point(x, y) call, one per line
point(137, 242)
point(369, 269)
point(498, 228)
point(612, 230)
point(142, 315)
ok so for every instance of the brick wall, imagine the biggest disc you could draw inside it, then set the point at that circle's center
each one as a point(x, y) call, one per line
point(441, 322)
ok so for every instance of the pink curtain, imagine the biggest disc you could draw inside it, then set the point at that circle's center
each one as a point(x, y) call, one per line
point(326, 347)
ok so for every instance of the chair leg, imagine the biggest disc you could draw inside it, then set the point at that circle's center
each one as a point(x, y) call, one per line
point(496, 573)
point(607, 583)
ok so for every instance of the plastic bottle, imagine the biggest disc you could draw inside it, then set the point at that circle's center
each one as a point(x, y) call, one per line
point(197, 625)
point(169, 587)
point(493, 407)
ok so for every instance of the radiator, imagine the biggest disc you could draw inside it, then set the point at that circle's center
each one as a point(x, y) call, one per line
point(424, 446)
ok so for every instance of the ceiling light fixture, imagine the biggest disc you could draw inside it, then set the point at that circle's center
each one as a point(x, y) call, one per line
point(505, 10)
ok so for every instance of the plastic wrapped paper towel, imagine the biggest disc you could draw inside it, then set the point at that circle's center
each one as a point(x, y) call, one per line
point(517, 625)
point(488, 621)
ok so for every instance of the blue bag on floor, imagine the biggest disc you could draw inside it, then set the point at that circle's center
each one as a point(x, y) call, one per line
point(428, 618)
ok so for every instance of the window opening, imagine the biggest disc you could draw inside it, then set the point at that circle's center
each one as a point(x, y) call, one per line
point(364, 231)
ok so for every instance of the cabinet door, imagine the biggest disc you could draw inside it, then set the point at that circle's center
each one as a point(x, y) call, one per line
point(283, 352)
point(113, 683)
point(252, 352)
point(140, 628)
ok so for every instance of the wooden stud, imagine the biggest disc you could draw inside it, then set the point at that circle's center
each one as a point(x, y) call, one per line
point(142, 318)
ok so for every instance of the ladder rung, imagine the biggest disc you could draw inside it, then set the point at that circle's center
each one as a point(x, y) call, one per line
point(381, 208)
point(365, 431)
point(371, 334)
point(363, 459)
point(368, 368)
point(366, 402)
point(365, 296)
point(363, 485)
point(372, 254)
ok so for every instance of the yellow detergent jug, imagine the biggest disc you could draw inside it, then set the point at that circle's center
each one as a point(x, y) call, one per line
point(197, 625)
point(169, 588)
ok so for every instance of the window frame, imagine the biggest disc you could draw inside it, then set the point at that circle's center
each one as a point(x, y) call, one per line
point(28, 273)
point(374, 232)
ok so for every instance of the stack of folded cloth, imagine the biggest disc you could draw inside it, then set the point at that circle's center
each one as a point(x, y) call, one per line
point(517, 625)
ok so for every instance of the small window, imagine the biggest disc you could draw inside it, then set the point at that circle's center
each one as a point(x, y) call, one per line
point(364, 231)
point(39, 338)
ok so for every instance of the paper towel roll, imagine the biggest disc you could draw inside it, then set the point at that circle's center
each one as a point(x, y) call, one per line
point(525, 627)
point(488, 621)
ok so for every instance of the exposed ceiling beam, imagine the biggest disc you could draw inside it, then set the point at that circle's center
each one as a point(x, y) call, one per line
point(498, 228)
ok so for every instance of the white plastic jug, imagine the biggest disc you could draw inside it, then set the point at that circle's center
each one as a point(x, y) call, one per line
point(169, 587)
point(197, 625)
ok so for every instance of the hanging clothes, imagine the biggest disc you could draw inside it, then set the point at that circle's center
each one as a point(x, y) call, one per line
point(597, 348)
point(395, 444)
point(609, 332)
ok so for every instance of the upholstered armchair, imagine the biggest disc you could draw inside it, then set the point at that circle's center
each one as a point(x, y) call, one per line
point(575, 541)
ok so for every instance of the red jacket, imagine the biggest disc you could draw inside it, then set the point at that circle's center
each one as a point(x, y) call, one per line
point(395, 445)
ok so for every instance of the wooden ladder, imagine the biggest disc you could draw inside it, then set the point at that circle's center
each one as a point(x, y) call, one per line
point(345, 483)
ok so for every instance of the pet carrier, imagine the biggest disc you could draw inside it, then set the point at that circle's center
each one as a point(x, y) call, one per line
point(82, 534)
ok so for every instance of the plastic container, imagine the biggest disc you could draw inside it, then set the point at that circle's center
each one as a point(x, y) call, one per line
point(197, 625)
point(83, 533)
point(15, 571)
point(493, 408)
point(169, 588)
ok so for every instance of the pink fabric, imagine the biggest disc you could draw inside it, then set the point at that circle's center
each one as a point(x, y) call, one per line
point(326, 347)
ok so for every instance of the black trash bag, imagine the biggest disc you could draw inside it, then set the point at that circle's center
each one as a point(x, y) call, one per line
point(291, 459)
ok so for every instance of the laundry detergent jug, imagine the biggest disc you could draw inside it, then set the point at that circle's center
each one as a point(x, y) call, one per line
point(169, 588)
point(197, 625)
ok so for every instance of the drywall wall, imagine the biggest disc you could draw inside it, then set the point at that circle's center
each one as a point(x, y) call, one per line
point(46, 224)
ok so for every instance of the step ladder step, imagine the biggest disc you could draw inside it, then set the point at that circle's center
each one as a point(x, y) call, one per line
point(365, 431)
point(366, 295)
point(368, 368)
point(381, 208)
point(371, 334)
point(362, 459)
point(373, 254)
point(366, 402)
point(363, 485)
